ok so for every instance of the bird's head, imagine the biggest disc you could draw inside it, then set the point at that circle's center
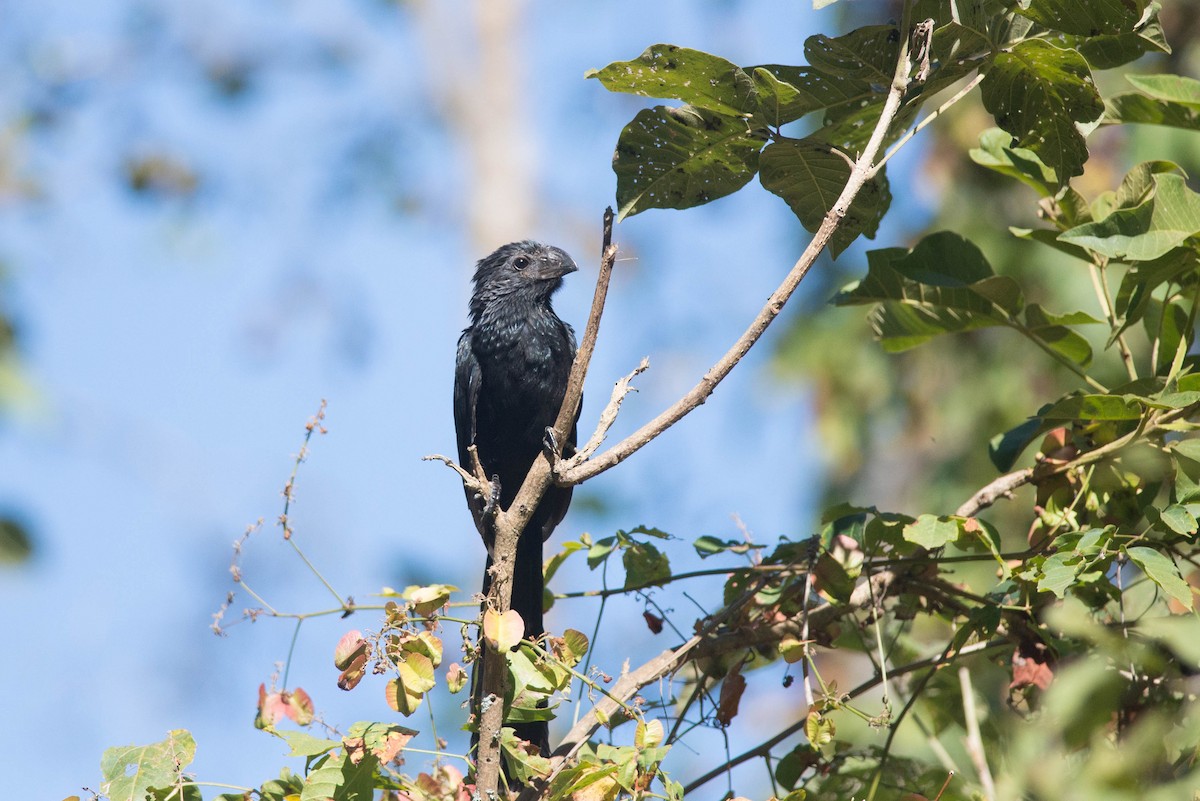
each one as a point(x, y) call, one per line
point(528, 272)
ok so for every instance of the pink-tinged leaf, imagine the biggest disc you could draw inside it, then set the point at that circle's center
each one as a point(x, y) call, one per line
point(653, 622)
point(353, 673)
point(1031, 667)
point(456, 677)
point(356, 749)
point(299, 706)
point(349, 647)
point(503, 632)
point(271, 708)
point(390, 746)
point(446, 784)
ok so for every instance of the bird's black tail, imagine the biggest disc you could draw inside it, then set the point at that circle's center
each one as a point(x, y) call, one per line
point(527, 595)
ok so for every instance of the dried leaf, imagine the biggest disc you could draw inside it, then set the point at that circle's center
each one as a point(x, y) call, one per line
point(731, 695)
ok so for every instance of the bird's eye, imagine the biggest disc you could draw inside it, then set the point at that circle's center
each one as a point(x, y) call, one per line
point(521, 262)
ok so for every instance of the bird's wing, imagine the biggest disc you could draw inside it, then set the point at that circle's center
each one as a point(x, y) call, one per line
point(467, 379)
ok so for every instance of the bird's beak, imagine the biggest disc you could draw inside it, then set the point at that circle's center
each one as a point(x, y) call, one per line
point(556, 264)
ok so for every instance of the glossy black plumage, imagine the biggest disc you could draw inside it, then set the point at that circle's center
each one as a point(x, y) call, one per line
point(510, 376)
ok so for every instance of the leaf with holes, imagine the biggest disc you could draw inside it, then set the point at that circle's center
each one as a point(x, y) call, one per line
point(697, 78)
point(1085, 17)
point(677, 158)
point(1038, 92)
point(130, 772)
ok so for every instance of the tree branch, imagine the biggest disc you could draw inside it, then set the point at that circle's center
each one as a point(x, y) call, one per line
point(999, 488)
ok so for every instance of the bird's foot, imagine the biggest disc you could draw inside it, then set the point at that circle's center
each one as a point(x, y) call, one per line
point(550, 445)
point(491, 504)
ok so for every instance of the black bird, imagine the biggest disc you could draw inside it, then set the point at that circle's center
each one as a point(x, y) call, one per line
point(509, 380)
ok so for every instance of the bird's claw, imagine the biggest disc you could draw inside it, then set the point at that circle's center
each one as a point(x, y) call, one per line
point(492, 501)
point(550, 445)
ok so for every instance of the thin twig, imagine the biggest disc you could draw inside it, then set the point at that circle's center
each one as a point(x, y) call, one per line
point(933, 115)
point(1001, 487)
point(1104, 297)
point(974, 740)
point(609, 416)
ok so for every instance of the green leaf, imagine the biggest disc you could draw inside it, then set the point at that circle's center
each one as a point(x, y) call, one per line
point(1058, 573)
point(810, 177)
point(943, 285)
point(1168, 323)
point(1085, 17)
point(15, 543)
point(130, 772)
point(1052, 330)
point(1161, 569)
point(600, 551)
point(697, 78)
point(677, 158)
point(1179, 519)
point(707, 546)
point(1134, 295)
point(1147, 231)
point(384, 740)
point(521, 765)
point(1187, 470)
point(1172, 88)
point(645, 564)
point(996, 152)
point(1004, 449)
point(932, 532)
point(792, 765)
point(648, 734)
point(1094, 407)
point(1037, 92)
point(1133, 108)
point(304, 744)
point(865, 54)
point(786, 94)
point(831, 580)
point(1114, 50)
point(341, 779)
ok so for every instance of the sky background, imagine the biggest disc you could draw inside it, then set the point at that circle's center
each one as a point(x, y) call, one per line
point(173, 345)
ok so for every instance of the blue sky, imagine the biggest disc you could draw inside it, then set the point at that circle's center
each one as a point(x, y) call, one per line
point(173, 348)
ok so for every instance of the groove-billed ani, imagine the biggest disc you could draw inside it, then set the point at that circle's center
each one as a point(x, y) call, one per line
point(509, 380)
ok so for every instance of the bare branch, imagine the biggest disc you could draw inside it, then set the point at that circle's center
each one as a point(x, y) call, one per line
point(974, 741)
point(1001, 487)
point(469, 481)
point(621, 388)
